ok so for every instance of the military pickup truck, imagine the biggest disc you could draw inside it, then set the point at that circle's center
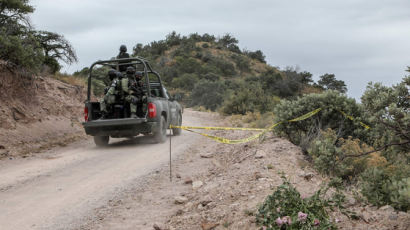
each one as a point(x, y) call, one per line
point(155, 114)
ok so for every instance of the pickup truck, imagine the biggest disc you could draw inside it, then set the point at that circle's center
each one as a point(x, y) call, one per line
point(155, 114)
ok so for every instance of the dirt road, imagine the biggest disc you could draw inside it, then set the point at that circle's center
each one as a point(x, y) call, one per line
point(60, 188)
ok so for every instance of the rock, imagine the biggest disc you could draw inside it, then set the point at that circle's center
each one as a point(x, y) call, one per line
point(197, 184)
point(17, 114)
point(188, 180)
point(367, 217)
point(206, 155)
point(180, 200)
point(179, 212)
point(393, 217)
point(260, 154)
point(208, 225)
point(189, 205)
point(257, 175)
point(307, 176)
point(387, 208)
point(159, 227)
point(351, 202)
point(205, 202)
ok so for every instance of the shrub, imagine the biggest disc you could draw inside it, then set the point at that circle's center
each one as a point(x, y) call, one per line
point(388, 110)
point(329, 152)
point(286, 209)
point(208, 94)
point(242, 62)
point(381, 187)
point(187, 65)
point(258, 55)
point(225, 67)
point(186, 81)
point(331, 102)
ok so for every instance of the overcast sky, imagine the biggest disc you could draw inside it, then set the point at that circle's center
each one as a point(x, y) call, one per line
point(357, 40)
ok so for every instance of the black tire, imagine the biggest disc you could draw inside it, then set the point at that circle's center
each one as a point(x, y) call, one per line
point(101, 141)
point(175, 131)
point(160, 133)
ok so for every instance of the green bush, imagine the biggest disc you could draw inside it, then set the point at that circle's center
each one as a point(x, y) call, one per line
point(388, 110)
point(286, 209)
point(247, 97)
point(329, 152)
point(331, 102)
point(186, 81)
point(21, 50)
point(208, 94)
point(381, 188)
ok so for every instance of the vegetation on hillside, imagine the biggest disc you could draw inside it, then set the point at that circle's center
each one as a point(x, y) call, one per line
point(214, 73)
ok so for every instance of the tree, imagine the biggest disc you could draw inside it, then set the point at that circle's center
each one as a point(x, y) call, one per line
point(329, 82)
point(14, 12)
point(258, 55)
point(227, 40)
point(17, 45)
point(22, 46)
point(55, 47)
point(173, 39)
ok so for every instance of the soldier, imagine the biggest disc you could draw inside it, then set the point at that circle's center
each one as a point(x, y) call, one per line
point(111, 92)
point(123, 54)
point(141, 97)
point(131, 90)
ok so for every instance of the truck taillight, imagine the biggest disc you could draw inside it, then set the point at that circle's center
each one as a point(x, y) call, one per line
point(152, 110)
point(86, 114)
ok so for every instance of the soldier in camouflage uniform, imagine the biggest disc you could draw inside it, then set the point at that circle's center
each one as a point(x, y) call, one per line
point(123, 54)
point(131, 90)
point(111, 93)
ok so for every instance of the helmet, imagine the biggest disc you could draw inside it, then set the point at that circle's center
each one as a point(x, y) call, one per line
point(123, 48)
point(139, 74)
point(119, 75)
point(130, 70)
point(112, 74)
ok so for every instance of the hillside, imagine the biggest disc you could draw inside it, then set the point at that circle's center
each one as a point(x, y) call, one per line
point(37, 112)
point(215, 74)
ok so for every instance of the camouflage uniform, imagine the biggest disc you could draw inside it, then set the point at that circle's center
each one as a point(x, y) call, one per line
point(129, 87)
point(112, 92)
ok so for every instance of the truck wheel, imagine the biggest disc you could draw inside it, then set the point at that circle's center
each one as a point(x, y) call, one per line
point(160, 134)
point(101, 141)
point(177, 132)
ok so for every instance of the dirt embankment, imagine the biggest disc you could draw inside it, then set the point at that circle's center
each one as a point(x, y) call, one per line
point(37, 112)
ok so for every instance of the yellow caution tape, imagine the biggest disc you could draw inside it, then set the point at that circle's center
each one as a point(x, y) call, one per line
point(228, 141)
point(352, 119)
point(217, 128)
point(251, 138)
point(244, 140)
point(306, 116)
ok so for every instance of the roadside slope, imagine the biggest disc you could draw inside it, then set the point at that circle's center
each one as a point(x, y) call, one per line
point(235, 180)
point(37, 113)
